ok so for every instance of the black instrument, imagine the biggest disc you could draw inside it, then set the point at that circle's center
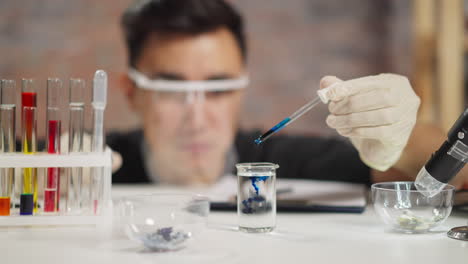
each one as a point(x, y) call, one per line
point(451, 157)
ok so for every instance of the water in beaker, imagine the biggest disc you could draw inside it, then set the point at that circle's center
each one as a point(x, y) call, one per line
point(256, 197)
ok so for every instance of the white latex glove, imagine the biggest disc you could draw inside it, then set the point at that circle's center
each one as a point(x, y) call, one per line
point(377, 113)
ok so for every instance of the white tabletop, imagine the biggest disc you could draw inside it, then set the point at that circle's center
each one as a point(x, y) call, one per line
point(298, 238)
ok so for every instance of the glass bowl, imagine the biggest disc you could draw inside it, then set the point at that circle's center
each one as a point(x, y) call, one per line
point(404, 209)
point(162, 221)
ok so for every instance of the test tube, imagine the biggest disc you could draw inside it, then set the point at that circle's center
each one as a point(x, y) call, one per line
point(52, 181)
point(99, 105)
point(7, 141)
point(28, 198)
point(75, 143)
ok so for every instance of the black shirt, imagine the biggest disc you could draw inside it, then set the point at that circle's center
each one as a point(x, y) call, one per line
point(298, 157)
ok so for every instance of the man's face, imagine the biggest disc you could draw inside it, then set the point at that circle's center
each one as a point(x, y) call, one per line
point(189, 140)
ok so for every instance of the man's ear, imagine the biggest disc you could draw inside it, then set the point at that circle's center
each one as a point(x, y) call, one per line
point(129, 90)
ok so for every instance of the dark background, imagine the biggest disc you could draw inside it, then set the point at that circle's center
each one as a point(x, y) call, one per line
point(292, 45)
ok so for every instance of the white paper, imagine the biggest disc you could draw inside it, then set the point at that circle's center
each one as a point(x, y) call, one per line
point(310, 192)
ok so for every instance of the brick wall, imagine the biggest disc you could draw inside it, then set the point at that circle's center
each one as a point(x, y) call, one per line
point(292, 44)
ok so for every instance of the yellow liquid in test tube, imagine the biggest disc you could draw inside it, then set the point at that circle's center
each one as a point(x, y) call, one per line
point(28, 199)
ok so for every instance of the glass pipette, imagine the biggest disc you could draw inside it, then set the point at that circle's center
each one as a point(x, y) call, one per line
point(322, 97)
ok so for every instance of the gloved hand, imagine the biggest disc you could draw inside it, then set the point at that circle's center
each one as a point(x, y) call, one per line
point(377, 113)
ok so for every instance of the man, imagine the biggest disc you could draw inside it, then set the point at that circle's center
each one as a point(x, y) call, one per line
point(187, 73)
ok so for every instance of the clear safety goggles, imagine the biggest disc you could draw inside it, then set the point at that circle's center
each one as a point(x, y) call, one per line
point(186, 91)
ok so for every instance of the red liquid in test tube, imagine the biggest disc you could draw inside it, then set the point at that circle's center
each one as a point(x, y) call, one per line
point(52, 181)
point(28, 99)
point(51, 193)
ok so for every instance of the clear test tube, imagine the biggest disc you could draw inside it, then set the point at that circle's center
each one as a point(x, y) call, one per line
point(99, 105)
point(75, 144)
point(7, 141)
point(52, 180)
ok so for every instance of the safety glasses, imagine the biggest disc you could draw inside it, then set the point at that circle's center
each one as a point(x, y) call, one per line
point(179, 92)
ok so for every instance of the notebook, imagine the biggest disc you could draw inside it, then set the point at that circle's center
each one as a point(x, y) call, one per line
point(294, 195)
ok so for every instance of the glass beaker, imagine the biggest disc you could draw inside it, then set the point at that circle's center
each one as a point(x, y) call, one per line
point(256, 196)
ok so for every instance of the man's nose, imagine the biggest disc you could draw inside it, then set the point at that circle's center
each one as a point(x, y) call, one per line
point(196, 111)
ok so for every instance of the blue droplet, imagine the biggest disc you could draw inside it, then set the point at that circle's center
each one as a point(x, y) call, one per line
point(258, 141)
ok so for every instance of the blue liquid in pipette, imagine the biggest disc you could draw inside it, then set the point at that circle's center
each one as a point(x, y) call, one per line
point(274, 129)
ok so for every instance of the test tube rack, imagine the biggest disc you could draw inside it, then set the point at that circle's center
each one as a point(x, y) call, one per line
point(39, 160)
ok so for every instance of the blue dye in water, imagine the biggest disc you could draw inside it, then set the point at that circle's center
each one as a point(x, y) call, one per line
point(254, 204)
point(254, 181)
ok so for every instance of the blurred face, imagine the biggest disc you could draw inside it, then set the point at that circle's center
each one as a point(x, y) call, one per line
point(189, 137)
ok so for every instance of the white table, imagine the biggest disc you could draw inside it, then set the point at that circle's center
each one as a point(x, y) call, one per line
point(299, 238)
